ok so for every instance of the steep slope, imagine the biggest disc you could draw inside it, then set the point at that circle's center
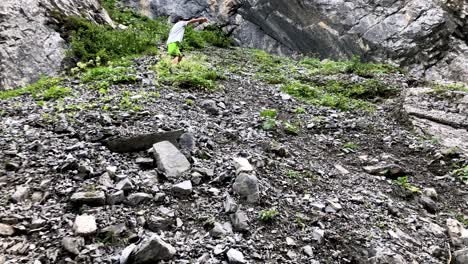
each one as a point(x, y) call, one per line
point(325, 185)
point(429, 38)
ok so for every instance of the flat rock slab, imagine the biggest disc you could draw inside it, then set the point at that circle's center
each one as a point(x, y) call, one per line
point(141, 142)
point(170, 160)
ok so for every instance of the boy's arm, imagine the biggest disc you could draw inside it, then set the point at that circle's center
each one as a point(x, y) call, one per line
point(196, 20)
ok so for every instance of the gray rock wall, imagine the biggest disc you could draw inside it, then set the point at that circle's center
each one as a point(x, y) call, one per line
point(29, 43)
point(428, 37)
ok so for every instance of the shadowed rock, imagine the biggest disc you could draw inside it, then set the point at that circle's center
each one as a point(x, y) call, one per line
point(141, 142)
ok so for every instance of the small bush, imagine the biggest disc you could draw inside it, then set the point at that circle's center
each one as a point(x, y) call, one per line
point(193, 72)
point(54, 92)
point(351, 145)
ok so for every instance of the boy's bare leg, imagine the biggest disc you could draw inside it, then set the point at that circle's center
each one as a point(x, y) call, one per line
point(176, 60)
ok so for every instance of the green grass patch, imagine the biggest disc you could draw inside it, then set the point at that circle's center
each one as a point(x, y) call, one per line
point(350, 145)
point(269, 113)
point(115, 75)
point(193, 72)
point(454, 87)
point(46, 88)
point(354, 65)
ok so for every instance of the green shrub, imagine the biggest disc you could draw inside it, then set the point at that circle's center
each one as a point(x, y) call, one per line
point(352, 66)
point(215, 36)
point(54, 92)
point(403, 182)
point(192, 72)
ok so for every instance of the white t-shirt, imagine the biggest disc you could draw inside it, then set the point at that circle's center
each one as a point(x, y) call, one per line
point(177, 32)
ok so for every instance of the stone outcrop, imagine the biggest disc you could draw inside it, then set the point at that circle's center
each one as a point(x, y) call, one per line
point(30, 45)
point(429, 38)
point(442, 115)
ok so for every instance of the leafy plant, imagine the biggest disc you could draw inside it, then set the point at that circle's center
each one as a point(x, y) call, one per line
point(403, 182)
point(462, 174)
point(269, 113)
point(268, 216)
point(291, 129)
point(461, 218)
point(269, 124)
point(293, 174)
point(350, 145)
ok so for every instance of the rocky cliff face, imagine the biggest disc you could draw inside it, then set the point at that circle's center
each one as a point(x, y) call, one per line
point(29, 41)
point(429, 38)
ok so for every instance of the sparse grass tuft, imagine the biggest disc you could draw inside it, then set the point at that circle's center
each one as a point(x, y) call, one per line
point(114, 75)
point(351, 145)
point(268, 216)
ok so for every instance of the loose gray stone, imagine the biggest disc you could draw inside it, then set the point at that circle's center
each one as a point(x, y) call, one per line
point(73, 244)
point(210, 107)
point(431, 193)
point(458, 234)
point(388, 170)
point(246, 186)
point(137, 198)
point(125, 185)
point(240, 221)
point(308, 251)
point(318, 235)
point(106, 181)
point(187, 141)
point(242, 165)
point(218, 230)
point(89, 198)
point(461, 256)
point(6, 230)
point(428, 204)
point(146, 162)
point(170, 160)
point(230, 205)
point(158, 223)
point(151, 250)
point(85, 225)
point(116, 197)
point(182, 189)
point(21, 193)
point(235, 256)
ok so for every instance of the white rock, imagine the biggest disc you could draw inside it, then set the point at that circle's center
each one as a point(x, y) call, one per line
point(85, 225)
point(6, 230)
point(308, 251)
point(21, 193)
point(235, 256)
point(182, 189)
point(242, 165)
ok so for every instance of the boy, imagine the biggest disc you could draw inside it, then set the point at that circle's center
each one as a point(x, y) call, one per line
point(176, 35)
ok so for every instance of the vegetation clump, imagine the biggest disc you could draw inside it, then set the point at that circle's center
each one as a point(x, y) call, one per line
point(403, 182)
point(194, 72)
point(45, 88)
point(268, 216)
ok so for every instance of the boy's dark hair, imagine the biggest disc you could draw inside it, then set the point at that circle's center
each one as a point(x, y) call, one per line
point(177, 18)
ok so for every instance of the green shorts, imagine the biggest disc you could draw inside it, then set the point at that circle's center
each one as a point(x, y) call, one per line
point(173, 49)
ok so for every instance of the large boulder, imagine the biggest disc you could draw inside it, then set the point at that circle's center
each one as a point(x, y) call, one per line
point(429, 37)
point(30, 44)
